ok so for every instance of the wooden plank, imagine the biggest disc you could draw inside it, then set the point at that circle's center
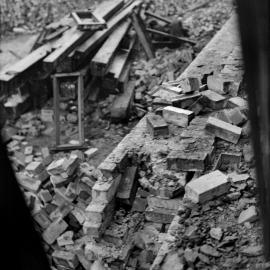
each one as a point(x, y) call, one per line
point(56, 110)
point(143, 36)
point(81, 108)
point(157, 17)
point(104, 56)
point(164, 34)
point(120, 60)
point(8, 73)
point(121, 106)
point(107, 9)
point(98, 37)
point(72, 38)
point(117, 67)
point(123, 80)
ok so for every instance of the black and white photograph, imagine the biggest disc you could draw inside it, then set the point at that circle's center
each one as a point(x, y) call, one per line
point(135, 134)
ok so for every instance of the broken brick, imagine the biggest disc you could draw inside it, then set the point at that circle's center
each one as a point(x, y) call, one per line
point(223, 130)
point(35, 167)
point(177, 116)
point(157, 126)
point(237, 102)
point(91, 152)
point(228, 161)
point(218, 84)
point(207, 187)
point(55, 229)
point(233, 116)
point(190, 84)
point(65, 239)
point(248, 215)
point(56, 167)
point(128, 186)
point(45, 196)
point(42, 218)
point(65, 258)
point(104, 191)
point(159, 215)
point(186, 100)
point(212, 100)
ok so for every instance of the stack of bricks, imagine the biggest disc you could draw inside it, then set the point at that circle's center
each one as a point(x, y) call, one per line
point(58, 193)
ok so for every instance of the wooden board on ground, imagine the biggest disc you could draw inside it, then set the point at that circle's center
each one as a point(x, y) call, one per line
point(104, 56)
point(122, 104)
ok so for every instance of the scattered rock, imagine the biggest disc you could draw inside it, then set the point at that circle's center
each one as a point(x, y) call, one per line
point(209, 251)
point(248, 215)
point(252, 251)
point(216, 233)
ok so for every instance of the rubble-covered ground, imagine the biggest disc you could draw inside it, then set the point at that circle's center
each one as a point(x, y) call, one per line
point(221, 234)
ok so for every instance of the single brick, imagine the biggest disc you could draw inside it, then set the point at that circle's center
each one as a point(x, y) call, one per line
point(35, 167)
point(190, 84)
point(223, 130)
point(237, 102)
point(212, 100)
point(159, 215)
point(194, 161)
point(207, 187)
point(177, 116)
point(233, 116)
point(54, 231)
point(185, 101)
point(91, 152)
point(104, 191)
point(157, 126)
point(218, 84)
point(65, 259)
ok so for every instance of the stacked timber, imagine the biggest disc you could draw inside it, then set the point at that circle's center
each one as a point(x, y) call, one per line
point(63, 48)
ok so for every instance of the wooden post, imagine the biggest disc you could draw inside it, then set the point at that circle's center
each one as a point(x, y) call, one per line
point(254, 30)
point(56, 110)
point(80, 108)
point(143, 35)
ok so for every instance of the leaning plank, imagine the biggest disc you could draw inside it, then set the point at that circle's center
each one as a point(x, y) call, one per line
point(104, 56)
point(117, 67)
point(143, 36)
point(98, 37)
point(122, 104)
point(8, 73)
point(120, 60)
point(74, 38)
